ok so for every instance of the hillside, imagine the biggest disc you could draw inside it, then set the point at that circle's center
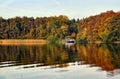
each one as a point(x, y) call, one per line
point(104, 27)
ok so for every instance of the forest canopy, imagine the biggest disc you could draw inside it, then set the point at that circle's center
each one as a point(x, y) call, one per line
point(39, 28)
point(104, 27)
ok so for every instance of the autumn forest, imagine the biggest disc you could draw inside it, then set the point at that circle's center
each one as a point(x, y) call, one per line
point(104, 27)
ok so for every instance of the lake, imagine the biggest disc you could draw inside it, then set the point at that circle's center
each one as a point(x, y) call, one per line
point(55, 61)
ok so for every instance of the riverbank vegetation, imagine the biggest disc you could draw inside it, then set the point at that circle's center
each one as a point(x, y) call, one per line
point(104, 27)
point(22, 42)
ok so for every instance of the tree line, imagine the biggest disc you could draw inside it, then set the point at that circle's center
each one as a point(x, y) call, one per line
point(37, 28)
point(104, 27)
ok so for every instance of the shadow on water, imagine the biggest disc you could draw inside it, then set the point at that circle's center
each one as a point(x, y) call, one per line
point(105, 56)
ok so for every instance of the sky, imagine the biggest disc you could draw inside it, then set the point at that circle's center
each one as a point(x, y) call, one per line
point(71, 8)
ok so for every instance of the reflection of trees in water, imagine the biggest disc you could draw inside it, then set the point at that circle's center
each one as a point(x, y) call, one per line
point(115, 58)
point(72, 53)
point(105, 56)
point(115, 54)
point(47, 54)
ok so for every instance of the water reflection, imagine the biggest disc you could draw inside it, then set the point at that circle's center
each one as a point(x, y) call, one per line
point(41, 55)
point(107, 57)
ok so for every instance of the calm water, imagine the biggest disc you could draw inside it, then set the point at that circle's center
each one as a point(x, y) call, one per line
point(60, 61)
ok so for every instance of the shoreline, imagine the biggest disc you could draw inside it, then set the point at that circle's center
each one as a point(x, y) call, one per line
point(38, 42)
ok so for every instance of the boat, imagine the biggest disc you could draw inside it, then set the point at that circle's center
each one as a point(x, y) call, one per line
point(70, 41)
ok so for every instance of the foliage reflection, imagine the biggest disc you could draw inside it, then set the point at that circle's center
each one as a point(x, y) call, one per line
point(107, 57)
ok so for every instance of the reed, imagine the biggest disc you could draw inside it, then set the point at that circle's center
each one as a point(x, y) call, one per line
point(22, 41)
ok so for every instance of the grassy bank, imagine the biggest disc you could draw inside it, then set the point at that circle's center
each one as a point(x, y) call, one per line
point(22, 42)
